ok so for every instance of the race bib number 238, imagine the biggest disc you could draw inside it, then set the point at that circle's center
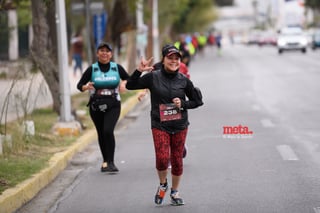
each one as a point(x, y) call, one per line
point(169, 112)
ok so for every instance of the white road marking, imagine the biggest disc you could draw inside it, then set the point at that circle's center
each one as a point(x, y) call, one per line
point(316, 209)
point(267, 123)
point(287, 153)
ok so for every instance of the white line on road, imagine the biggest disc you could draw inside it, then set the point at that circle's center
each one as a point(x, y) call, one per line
point(287, 153)
point(267, 123)
point(316, 210)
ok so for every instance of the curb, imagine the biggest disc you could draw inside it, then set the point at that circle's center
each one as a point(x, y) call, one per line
point(14, 198)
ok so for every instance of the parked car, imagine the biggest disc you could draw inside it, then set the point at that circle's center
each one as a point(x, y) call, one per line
point(292, 38)
point(253, 38)
point(267, 38)
point(315, 42)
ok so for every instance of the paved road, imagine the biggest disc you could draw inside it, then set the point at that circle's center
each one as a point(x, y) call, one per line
point(274, 169)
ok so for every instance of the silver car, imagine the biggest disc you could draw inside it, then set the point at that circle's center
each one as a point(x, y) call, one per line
point(292, 38)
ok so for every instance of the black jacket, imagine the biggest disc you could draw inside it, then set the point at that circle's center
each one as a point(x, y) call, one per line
point(164, 87)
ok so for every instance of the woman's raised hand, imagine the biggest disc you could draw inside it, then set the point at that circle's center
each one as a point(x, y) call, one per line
point(144, 65)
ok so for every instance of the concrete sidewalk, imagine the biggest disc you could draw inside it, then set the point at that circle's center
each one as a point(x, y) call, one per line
point(12, 199)
point(30, 93)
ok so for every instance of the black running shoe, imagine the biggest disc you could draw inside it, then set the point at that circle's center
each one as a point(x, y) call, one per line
point(176, 200)
point(112, 168)
point(104, 167)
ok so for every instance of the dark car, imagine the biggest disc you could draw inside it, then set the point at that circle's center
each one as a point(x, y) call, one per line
point(315, 43)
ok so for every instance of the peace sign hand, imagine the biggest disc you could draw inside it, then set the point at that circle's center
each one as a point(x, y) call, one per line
point(144, 65)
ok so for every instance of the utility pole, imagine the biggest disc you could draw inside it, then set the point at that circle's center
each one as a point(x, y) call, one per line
point(88, 18)
point(255, 12)
point(65, 111)
point(66, 125)
point(155, 31)
point(149, 52)
point(142, 30)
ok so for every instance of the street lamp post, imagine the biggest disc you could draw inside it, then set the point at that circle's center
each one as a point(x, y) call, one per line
point(88, 25)
point(65, 112)
point(255, 12)
point(66, 125)
point(155, 31)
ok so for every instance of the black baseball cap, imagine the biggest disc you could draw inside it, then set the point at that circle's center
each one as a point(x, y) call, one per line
point(169, 49)
point(104, 44)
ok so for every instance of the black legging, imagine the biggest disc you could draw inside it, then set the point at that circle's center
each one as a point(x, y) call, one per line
point(105, 123)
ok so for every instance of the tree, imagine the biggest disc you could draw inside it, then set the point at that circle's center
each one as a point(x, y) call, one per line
point(43, 50)
point(169, 13)
point(122, 19)
point(195, 17)
point(314, 4)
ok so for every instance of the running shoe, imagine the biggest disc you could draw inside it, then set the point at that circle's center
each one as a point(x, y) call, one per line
point(161, 192)
point(112, 168)
point(176, 200)
point(104, 167)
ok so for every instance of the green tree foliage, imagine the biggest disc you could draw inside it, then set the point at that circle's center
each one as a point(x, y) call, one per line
point(170, 11)
point(24, 15)
point(313, 4)
point(196, 16)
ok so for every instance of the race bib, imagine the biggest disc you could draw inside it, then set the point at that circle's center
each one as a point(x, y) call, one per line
point(169, 112)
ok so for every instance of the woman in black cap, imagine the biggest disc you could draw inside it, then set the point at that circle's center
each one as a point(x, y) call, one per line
point(169, 117)
point(104, 79)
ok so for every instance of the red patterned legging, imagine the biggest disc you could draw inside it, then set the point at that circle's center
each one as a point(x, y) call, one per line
point(169, 148)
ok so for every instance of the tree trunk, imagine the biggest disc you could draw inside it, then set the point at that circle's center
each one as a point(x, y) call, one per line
point(42, 53)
